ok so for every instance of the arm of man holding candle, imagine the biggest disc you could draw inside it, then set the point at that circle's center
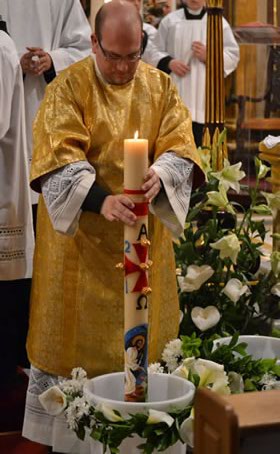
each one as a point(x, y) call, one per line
point(81, 193)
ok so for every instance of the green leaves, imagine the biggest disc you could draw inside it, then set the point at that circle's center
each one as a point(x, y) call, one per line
point(155, 436)
point(234, 357)
point(191, 345)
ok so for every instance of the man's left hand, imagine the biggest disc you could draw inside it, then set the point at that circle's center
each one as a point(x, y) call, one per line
point(152, 185)
point(199, 51)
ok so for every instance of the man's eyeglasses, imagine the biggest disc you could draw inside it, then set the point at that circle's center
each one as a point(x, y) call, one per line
point(132, 58)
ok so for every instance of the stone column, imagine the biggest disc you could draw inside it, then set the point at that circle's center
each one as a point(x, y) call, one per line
point(215, 84)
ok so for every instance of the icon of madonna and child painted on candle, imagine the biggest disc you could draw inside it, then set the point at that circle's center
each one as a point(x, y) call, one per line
point(136, 363)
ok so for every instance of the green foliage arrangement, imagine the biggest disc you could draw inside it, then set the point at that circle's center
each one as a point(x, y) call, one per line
point(222, 290)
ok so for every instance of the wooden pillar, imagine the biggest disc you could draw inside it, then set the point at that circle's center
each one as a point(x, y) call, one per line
point(215, 85)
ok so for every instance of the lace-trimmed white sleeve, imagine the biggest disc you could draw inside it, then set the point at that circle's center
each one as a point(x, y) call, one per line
point(64, 191)
point(172, 203)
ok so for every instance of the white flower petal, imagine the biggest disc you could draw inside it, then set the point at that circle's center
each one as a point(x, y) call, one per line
point(187, 430)
point(234, 289)
point(196, 276)
point(184, 368)
point(220, 199)
point(228, 246)
point(230, 176)
point(220, 386)
point(156, 417)
point(172, 353)
point(273, 200)
point(108, 412)
point(53, 400)
point(205, 318)
point(78, 373)
point(155, 368)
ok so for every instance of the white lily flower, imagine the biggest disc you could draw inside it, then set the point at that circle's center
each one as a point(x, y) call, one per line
point(221, 387)
point(219, 199)
point(184, 369)
point(261, 209)
point(211, 375)
point(209, 371)
point(205, 318)
point(234, 289)
point(156, 417)
point(262, 169)
point(53, 400)
point(273, 200)
point(230, 176)
point(275, 263)
point(195, 277)
point(275, 290)
point(108, 412)
point(228, 246)
point(186, 430)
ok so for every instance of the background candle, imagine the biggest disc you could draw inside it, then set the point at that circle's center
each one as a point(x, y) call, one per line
point(136, 273)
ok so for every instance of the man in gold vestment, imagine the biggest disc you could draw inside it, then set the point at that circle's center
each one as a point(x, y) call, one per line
point(77, 296)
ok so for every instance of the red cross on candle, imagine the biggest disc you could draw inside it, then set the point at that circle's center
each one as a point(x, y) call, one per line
point(131, 267)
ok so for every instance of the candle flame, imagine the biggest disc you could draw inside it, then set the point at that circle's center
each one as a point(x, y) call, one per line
point(136, 135)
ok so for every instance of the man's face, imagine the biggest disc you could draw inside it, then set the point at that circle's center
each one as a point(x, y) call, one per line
point(166, 9)
point(117, 53)
point(194, 4)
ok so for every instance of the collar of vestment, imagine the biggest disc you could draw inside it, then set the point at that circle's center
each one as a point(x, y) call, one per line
point(97, 70)
point(191, 16)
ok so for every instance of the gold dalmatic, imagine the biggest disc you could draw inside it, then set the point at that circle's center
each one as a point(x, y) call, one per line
point(215, 86)
point(77, 307)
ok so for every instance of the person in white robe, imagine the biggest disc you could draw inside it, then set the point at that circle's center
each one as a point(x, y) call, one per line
point(16, 232)
point(182, 36)
point(49, 35)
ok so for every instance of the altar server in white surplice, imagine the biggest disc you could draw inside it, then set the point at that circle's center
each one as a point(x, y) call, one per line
point(182, 36)
point(49, 35)
point(16, 232)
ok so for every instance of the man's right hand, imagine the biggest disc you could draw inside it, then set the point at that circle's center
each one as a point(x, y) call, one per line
point(118, 208)
point(178, 67)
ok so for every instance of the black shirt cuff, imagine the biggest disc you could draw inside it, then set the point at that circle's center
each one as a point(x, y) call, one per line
point(163, 64)
point(95, 198)
point(50, 74)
